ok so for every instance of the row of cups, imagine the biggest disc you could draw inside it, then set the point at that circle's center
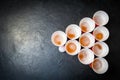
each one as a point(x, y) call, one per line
point(86, 40)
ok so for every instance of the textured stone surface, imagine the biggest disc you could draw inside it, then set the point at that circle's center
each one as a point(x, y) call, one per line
point(26, 52)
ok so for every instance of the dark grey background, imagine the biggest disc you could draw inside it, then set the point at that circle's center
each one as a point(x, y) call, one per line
point(26, 52)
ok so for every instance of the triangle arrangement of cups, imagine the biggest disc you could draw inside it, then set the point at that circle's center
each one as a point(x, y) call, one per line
point(86, 40)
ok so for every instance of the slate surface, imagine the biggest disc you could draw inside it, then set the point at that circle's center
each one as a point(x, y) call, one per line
point(26, 52)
